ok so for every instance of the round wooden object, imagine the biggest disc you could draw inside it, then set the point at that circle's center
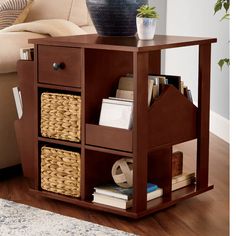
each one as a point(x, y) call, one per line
point(122, 172)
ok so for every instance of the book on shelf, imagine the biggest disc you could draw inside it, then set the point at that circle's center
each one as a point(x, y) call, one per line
point(18, 101)
point(27, 53)
point(177, 163)
point(111, 201)
point(116, 113)
point(174, 80)
point(124, 94)
point(188, 94)
point(114, 190)
point(156, 86)
point(121, 99)
point(126, 84)
point(182, 180)
point(182, 87)
point(163, 80)
point(120, 202)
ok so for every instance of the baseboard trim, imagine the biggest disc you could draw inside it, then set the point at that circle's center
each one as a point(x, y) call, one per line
point(219, 126)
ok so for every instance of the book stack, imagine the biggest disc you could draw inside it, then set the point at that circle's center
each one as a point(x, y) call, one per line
point(27, 54)
point(182, 180)
point(174, 80)
point(115, 196)
point(156, 84)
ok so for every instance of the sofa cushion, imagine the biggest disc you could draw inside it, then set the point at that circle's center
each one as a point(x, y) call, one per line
point(72, 10)
point(49, 9)
point(10, 52)
point(79, 13)
point(13, 12)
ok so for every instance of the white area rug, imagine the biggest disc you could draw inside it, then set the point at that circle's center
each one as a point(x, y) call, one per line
point(22, 220)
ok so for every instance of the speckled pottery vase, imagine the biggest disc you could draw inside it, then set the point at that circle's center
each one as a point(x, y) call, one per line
point(146, 28)
point(114, 17)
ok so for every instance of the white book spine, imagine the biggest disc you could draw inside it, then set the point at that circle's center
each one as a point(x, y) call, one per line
point(18, 102)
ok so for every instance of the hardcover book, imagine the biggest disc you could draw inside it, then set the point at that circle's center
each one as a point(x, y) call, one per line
point(121, 203)
point(114, 190)
point(126, 83)
point(182, 181)
point(18, 101)
point(177, 163)
point(125, 94)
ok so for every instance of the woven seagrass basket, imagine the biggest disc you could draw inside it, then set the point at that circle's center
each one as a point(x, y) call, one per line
point(61, 116)
point(60, 171)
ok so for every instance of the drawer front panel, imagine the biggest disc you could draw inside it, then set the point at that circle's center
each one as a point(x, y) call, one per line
point(109, 137)
point(59, 65)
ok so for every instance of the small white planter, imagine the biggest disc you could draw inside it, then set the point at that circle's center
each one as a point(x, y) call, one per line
point(146, 28)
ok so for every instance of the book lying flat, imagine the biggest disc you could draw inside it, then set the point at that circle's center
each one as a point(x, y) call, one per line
point(121, 99)
point(182, 181)
point(121, 203)
point(114, 190)
point(111, 201)
point(182, 177)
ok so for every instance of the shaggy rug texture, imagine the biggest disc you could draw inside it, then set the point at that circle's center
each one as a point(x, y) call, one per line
point(22, 220)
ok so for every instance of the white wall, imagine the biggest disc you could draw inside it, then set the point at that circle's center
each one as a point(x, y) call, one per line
point(161, 7)
point(196, 18)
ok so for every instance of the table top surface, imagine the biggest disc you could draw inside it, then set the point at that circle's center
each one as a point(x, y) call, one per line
point(132, 44)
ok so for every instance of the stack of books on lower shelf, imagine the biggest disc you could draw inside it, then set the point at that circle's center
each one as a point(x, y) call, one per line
point(115, 196)
point(182, 180)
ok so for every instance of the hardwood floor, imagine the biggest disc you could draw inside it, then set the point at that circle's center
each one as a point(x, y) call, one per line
point(206, 214)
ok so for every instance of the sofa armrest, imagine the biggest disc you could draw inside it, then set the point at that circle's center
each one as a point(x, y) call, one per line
point(10, 52)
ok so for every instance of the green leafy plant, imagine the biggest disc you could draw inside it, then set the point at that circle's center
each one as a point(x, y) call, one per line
point(223, 62)
point(223, 5)
point(147, 11)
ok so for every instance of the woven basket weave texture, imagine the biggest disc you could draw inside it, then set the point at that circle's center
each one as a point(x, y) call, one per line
point(61, 116)
point(60, 171)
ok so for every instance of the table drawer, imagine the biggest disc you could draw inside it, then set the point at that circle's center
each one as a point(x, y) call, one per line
point(59, 65)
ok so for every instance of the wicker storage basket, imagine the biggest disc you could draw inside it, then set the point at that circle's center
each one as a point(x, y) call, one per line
point(60, 171)
point(61, 116)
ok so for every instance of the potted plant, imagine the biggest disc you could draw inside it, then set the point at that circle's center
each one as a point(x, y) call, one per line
point(146, 21)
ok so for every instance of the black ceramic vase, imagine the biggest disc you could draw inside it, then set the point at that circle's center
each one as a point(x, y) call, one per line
point(114, 17)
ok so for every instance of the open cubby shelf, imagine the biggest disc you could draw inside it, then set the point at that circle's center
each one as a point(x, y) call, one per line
point(152, 206)
point(92, 66)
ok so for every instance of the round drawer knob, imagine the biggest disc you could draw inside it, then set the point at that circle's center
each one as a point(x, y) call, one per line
point(58, 66)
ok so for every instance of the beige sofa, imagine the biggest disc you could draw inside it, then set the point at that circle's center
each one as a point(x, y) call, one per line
point(72, 10)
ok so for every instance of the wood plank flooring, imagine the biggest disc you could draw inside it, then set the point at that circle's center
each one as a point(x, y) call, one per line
point(205, 215)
